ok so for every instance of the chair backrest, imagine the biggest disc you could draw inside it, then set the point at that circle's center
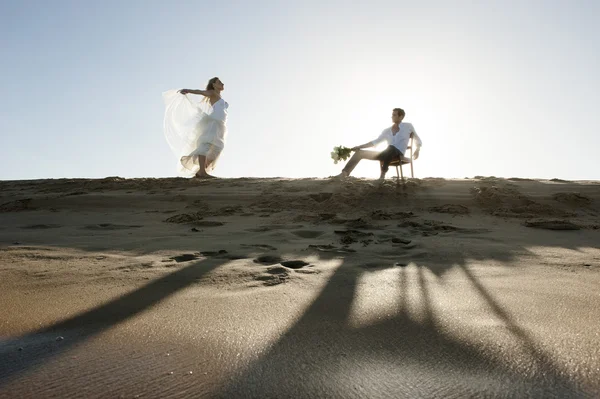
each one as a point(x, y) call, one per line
point(410, 144)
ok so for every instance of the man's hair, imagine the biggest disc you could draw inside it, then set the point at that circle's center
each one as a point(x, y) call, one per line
point(399, 111)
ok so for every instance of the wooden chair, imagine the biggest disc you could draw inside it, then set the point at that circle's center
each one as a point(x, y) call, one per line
point(405, 161)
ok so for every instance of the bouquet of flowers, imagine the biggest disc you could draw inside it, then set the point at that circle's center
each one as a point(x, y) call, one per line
point(340, 154)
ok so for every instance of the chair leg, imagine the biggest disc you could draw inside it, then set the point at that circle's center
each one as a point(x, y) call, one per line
point(401, 173)
point(397, 174)
point(412, 173)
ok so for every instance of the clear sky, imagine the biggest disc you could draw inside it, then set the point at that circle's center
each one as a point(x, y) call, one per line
point(504, 88)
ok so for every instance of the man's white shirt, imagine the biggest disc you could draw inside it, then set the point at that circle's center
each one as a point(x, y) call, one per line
point(400, 139)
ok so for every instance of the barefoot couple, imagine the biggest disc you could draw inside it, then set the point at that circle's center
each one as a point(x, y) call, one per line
point(199, 138)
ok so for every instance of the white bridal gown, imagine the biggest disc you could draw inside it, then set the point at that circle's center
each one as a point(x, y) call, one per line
point(194, 129)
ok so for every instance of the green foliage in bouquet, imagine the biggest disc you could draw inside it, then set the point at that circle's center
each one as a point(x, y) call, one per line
point(340, 154)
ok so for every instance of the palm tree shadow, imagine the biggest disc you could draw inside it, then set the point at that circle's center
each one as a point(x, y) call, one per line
point(322, 355)
point(84, 326)
point(544, 368)
point(331, 357)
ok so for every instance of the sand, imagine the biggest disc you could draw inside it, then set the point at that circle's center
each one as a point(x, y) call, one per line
point(299, 288)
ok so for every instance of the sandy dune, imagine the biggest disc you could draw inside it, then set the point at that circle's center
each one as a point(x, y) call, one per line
point(299, 288)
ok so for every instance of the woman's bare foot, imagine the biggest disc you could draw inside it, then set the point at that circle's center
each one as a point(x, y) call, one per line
point(204, 176)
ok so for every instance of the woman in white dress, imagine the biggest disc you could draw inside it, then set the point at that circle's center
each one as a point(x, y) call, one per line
point(196, 131)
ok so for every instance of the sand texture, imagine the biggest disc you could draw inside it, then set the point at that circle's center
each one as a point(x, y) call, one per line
point(299, 288)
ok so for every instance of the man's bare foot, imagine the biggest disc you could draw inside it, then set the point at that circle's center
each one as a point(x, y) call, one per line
point(342, 175)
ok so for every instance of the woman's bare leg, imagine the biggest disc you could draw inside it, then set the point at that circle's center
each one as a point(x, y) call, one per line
point(201, 163)
point(202, 174)
point(208, 166)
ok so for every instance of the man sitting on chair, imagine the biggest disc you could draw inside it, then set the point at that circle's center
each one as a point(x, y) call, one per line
point(396, 136)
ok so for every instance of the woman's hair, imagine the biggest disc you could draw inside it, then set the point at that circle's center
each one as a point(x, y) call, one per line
point(210, 85)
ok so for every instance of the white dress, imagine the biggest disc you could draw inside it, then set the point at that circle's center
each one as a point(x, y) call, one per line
point(194, 129)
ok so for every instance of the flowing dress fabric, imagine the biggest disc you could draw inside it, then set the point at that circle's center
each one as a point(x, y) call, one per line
point(194, 129)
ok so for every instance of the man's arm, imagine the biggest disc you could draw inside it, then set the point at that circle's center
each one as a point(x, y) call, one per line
point(360, 147)
point(417, 142)
point(373, 143)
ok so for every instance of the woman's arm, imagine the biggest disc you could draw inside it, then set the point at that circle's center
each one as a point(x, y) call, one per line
point(205, 93)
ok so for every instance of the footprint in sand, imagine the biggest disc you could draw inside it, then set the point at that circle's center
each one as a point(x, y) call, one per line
point(213, 253)
point(274, 275)
point(110, 226)
point(307, 271)
point(185, 218)
point(347, 240)
point(130, 268)
point(331, 248)
point(75, 193)
point(452, 209)
point(322, 247)
point(184, 258)
point(432, 227)
point(234, 257)
point(259, 230)
point(549, 224)
point(321, 197)
point(271, 227)
point(361, 223)
point(312, 218)
point(221, 254)
point(383, 215)
point(268, 259)
point(351, 236)
point(264, 247)
point(294, 264)
point(228, 211)
point(375, 265)
point(354, 233)
point(327, 216)
point(277, 270)
point(42, 226)
point(308, 233)
point(208, 223)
